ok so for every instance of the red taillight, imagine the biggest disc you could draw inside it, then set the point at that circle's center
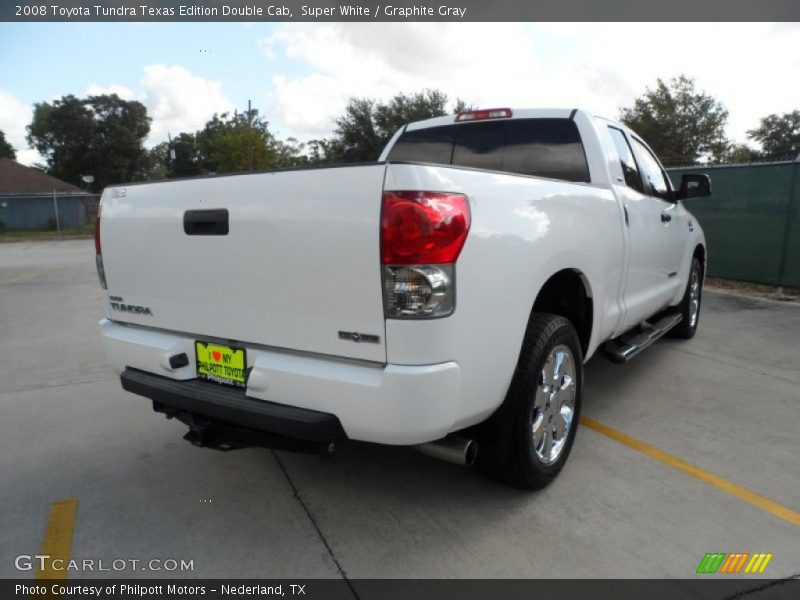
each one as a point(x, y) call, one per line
point(97, 247)
point(423, 228)
point(483, 114)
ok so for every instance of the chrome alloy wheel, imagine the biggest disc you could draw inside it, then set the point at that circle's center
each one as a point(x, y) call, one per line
point(554, 405)
point(694, 297)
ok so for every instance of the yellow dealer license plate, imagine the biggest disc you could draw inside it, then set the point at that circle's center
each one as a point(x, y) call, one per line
point(222, 364)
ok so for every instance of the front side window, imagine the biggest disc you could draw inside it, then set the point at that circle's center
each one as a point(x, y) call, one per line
point(655, 177)
point(629, 169)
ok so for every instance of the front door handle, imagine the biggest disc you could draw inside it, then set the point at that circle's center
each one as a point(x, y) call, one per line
point(666, 217)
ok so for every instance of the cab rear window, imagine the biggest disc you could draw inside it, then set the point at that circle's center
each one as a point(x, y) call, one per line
point(542, 147)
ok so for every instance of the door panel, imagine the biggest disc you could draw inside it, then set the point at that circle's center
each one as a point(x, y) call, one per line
point(645, 288)
point(672, 217)
point(676, 240)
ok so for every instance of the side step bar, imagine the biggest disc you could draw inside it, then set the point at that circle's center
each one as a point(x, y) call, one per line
point(629, 344)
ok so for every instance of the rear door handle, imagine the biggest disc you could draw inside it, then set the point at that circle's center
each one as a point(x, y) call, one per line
point(212, 221)
point(666, 217)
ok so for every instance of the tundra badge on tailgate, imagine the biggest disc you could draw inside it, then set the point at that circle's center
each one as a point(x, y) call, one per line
point(117, 303)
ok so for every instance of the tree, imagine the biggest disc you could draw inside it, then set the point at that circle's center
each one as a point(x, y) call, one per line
point(321, 152)
point(227, 143)
point(738, 153)
point(292, 153)
point(158, 162)
point(179, 157)
point(238, 142)
point(679, 123)
point(98, 135)
point(118, 145)
point(182, 156)
point(779, 136)
point(367, 125)
point(62, 132)
point(6, 149)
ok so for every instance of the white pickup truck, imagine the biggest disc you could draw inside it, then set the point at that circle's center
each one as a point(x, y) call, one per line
point(445, 297)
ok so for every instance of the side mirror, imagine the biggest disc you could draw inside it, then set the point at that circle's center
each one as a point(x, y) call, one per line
point(694, 185)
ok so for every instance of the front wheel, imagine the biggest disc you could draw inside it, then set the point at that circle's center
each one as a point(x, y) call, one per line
point(690, 304)
point(532, 433)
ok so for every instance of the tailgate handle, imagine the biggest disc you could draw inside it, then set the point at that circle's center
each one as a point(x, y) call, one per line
point(213, 221)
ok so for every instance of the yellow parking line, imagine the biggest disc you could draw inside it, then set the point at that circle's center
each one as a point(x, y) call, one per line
point(31, 275)
point(757, 500)
point(58, 538)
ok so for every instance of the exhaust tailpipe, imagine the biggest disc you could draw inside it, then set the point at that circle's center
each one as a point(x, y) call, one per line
point(453, 448)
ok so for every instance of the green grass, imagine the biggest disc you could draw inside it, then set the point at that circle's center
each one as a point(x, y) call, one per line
point(38, 235)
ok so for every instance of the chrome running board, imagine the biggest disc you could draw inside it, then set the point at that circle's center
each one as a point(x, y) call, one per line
point(629, 344)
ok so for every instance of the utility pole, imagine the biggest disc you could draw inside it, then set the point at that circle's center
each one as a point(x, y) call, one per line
point(249, 136)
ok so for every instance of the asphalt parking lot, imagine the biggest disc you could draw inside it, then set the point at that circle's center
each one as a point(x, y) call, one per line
point(727, 402)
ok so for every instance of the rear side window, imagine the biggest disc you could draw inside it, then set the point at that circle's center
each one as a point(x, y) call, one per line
point(543, 147)
point(434, 145)
point(546, 147)
point(480, 145)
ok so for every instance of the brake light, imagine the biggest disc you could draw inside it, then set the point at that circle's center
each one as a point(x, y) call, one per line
point(483, 114)
point(422, 234)
point(426, 228)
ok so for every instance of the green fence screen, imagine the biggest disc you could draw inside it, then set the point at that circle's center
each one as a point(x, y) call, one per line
point(751, 221)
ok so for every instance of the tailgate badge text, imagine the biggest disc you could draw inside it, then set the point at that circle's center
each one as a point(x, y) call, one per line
point(354, 336)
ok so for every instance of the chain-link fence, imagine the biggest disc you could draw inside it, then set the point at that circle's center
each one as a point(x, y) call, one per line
point(751, 221)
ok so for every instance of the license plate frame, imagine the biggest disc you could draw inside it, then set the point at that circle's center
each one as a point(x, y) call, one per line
point(221, 363)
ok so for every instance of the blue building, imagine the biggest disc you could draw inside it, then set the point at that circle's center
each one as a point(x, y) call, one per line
point(31, 199)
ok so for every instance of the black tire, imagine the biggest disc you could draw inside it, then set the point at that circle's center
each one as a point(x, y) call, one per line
point(506, 449)
point(686, 329)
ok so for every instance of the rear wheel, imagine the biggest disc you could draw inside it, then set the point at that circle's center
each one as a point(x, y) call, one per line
point(690, 304)
point(529, 439)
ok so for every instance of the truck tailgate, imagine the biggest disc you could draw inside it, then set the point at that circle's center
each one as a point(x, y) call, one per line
point(299, 264)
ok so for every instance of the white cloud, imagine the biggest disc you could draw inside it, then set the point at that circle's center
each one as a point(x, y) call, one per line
point(179, 101)
point(94, 89)
point(315, 67)
point(176, 99)
point(380, 60)
point(14, 116)
point(750, 67)
point(747, 66)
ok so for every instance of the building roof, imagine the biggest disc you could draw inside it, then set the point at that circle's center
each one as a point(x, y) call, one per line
point(19, 179)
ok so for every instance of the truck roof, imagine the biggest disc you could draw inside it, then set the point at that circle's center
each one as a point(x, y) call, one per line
point(517, 113)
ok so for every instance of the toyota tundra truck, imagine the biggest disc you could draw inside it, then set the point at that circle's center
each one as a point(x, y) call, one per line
point(445, 297)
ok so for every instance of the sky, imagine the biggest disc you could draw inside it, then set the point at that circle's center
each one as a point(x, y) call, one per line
point(300, 75)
